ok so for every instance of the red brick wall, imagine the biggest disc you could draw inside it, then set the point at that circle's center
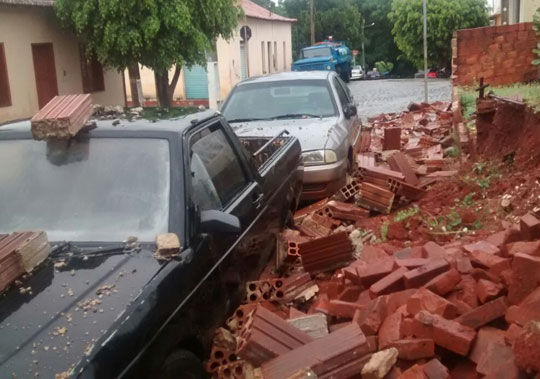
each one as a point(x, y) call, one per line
point(500, 54)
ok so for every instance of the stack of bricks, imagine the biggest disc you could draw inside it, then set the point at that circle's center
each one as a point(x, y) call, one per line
point(466, 309)
point(500, 54)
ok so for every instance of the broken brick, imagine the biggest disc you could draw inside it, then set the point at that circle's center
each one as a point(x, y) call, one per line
point(398, 162)
point(434, 369)
point(466, 291)
point(525, 277)
point(390, 283)
point(524, 247)
point(444, 283)
point(493, 262)
point(423, 274)
point(373, 272)
point(390, 329)
point(445, 333)
point(398, 299)
point(527, 310)
point(529, 227)
point(482, 246)
point(426, 300)
point(414, 348)
point(495, 357)
point(414, 372)
point(512, 333)
point(371, 317)
point(485, 336)
point(342, 309)
point(484, 314)
point(464, 265)
point(487, 290)
point(527, 347)
point(412, 262)
point(433, 250)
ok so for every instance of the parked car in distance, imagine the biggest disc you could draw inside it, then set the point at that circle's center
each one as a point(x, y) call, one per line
point(374, 74)
point(315, 106)
point(357, 72)
point(103, 308)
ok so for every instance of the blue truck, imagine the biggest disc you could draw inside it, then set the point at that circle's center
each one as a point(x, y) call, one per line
point(327, 56)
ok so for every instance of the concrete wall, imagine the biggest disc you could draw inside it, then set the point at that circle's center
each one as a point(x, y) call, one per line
point(277, 33)
point(528, 8)
point(500, 54)
point(20, 26)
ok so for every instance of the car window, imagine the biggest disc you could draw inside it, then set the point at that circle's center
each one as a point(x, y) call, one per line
point(343, 99)
point(216, 173)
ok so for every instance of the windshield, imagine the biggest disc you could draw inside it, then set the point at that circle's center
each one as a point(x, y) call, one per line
point(285, 99)
point(102, 189)
point(318, 52)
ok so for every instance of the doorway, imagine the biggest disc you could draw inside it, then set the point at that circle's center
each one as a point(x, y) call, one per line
point(45, 71)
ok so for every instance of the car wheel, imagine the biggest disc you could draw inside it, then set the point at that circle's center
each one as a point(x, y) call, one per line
point(182, 364)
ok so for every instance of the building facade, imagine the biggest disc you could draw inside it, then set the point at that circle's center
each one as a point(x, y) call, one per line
point(261, 44)
point(507, 12)
point(39, 60)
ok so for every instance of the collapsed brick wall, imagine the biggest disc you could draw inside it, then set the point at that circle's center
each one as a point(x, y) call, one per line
point(500, 54)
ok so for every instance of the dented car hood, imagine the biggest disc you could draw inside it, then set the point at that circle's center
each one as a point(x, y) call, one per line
point(313, 133)
point(52, 319)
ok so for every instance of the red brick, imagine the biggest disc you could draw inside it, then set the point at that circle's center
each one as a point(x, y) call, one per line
point(342, 309)
point(423, 274)
point(414, 348)
point(433, 250)
point(414, 372)
point(444, 283)
point(434, 369)
point(464, 265)
point(390, 329)
point(392, 139)
point(371, 317)
point(398, 162)
point(482, 246)
point(527, 310)
point(375, 271)
point(464, 369)
point(529, 227)
point(493, 262)
point(398, 299)
point(412, 262)
point(528, 247)
point(527, 347)
point(496, 356)
point(525, 277)
point(445, 333)
point(390, 283)
point(372, 254)
point(466, 291)
point(479, 273)
point(485, 336)
point(426, 300)
point(487, 290)
point(484, 314)
point(512, 333)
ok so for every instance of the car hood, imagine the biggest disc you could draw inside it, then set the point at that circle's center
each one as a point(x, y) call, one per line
point(313, 133)
point(51, 319)
point(313, 60)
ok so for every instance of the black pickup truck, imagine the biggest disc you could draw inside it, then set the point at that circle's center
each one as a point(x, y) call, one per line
point(102, 305)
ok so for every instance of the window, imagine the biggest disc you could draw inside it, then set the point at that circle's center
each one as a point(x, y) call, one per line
point(269, 56)
point(5, 95)
point(216, 174)
point(284, 55)
point(275, 56)
point(343, 99)
point(92, 73)
point(263, 55)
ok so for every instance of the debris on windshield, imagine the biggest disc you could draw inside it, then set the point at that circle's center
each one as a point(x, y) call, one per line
point(60, 264)
point(106, 290)
point(62, 118)
point(20, 253)
point(168, 246)
point(60, 331)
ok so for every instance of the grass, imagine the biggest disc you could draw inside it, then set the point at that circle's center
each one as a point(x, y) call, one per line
point(157, 113)
point(529, 92)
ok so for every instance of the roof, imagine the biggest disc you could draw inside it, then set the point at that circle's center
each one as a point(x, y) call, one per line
point(256, 11)
point(171, 125)
point(39, 3)
point(290, 75)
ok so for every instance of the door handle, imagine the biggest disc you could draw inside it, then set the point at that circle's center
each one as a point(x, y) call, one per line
point(257, 199)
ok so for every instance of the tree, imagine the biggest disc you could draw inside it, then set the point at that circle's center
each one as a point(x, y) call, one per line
point(159, 34)
point(443, 18)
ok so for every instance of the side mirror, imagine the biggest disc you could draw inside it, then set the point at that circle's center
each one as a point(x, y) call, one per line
point(350, 110)
point(219, 222)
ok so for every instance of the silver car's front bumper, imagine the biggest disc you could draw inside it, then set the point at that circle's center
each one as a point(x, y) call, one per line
point(324, 180)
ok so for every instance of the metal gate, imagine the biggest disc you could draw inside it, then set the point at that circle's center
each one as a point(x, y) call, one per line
point(196, 82)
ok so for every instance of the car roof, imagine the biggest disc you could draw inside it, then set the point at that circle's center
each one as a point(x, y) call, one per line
point(289, 75)
point(178, 124)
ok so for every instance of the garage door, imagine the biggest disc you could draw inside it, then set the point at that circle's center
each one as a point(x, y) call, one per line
point(196, 79)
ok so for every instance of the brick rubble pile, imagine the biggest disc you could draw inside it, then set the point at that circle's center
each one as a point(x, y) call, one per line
point(333, 306)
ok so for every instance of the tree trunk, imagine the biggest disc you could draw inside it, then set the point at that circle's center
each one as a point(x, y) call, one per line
point(162, 88)
point(134, 75)
point(174, 82)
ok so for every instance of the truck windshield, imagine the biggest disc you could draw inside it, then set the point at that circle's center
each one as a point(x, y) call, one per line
point(99, 189)
point(318, 52)
point(279, 99)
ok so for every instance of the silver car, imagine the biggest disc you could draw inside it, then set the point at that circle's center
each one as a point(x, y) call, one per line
point(315, 106)
point(357, 72)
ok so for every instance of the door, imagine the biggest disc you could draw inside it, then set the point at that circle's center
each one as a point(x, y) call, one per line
point(353, 124)
point(196, 82)
point(45, 71)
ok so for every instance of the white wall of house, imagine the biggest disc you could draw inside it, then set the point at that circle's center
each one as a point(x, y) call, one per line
point(148, 84)
point(21, 26)
point(528, 9)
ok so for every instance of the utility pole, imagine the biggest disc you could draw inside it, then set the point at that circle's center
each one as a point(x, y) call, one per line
point(363, 45)
point(425, 54)
point(312, 20)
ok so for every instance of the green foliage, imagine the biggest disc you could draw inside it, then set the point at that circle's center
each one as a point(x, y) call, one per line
point(530, 93)
point(156, 33)
point(406, 214)
point(443, 18)
point(536, 27)
point(468, 102)
point(482, 175)
point(383, 67)
point(384, 231)
point(156, 113)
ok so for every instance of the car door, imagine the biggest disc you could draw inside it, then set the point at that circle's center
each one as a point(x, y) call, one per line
point(222, 180)
point(345, 99)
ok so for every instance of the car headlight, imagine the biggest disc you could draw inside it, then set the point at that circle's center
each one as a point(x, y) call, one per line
point(319, 157)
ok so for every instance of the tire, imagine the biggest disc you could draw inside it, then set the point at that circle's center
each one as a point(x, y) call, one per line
point(182, 364)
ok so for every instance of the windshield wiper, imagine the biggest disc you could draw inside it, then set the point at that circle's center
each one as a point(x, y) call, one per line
point(69, 250)
point(296, 115)
point(247, 119)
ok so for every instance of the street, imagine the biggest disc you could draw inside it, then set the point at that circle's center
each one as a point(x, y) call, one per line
point(392, 95)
